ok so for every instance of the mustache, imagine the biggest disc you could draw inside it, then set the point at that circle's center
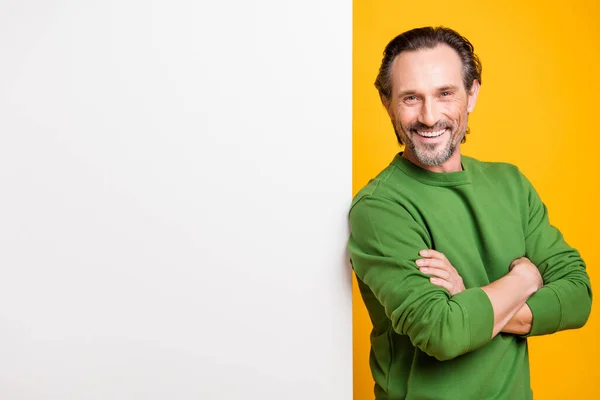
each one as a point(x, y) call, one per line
point(418, 126)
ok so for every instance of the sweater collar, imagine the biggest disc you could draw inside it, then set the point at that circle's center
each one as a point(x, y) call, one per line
point(434, 178)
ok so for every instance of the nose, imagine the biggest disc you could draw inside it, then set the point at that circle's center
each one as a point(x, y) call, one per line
point(429, 113)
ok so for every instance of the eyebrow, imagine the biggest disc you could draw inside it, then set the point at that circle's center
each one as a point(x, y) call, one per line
point(444, 88)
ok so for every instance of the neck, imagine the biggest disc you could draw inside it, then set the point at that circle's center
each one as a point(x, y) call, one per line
point(452, 164)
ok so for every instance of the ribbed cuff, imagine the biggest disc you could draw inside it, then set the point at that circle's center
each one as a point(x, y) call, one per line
point(478, 308)
point(546, 309)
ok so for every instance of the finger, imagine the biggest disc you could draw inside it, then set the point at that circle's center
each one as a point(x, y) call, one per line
point(430, 253)
point(442, 283)
point(433, 263)
point(436, 272)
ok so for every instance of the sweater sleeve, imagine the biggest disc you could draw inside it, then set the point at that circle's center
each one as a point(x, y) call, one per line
point(565, 300)
point(383, 246)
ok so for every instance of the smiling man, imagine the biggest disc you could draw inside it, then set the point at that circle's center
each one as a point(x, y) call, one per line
point(455, 258)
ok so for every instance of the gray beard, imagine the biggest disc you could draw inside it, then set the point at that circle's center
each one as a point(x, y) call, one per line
point(428, 157)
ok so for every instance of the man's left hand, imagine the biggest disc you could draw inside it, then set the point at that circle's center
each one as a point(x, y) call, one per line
point(442, 272)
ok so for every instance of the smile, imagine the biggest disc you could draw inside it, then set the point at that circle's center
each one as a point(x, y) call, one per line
point(433, 134)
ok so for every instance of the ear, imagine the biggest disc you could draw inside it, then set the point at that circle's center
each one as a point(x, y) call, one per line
point(472, 96)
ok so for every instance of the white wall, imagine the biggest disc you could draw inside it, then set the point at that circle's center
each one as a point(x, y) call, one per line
point(174, 183)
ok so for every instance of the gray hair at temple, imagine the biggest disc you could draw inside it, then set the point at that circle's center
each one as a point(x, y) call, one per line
point(427, 38)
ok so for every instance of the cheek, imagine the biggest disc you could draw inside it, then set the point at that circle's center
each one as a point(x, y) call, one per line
point(407, 116)
point(455, 112)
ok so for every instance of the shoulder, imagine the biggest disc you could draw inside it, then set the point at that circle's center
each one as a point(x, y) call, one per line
point(384, 186)
point(382, 201)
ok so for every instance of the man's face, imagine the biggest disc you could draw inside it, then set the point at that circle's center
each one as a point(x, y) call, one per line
point(429, 104)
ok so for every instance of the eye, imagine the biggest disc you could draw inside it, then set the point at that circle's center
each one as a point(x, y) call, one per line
point(410, 99)
point(446, 94)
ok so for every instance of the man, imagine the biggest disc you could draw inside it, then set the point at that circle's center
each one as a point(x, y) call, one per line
point(455, 258)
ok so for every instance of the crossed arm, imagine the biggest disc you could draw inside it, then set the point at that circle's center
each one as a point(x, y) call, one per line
point(508, 295)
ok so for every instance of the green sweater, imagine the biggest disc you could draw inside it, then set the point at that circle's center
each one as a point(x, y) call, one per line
point(425, 343)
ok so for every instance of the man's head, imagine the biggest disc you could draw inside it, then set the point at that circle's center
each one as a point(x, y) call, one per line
point(428, 82)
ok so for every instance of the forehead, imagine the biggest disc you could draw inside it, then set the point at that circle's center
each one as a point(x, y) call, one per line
point(427, 69)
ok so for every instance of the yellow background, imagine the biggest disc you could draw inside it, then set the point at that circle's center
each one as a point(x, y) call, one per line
point(538, 108)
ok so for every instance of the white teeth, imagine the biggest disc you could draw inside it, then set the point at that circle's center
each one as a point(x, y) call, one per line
point(431, 134)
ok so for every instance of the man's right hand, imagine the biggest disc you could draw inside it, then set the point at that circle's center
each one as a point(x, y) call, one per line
point(525, 269)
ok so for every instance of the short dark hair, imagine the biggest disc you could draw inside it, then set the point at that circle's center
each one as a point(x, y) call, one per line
point(428, 38)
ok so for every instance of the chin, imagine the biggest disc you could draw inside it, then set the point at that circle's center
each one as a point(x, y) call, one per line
point(436, 157)
point(432, 162)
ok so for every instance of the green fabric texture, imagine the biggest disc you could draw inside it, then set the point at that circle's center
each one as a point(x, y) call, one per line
point(425, 343)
